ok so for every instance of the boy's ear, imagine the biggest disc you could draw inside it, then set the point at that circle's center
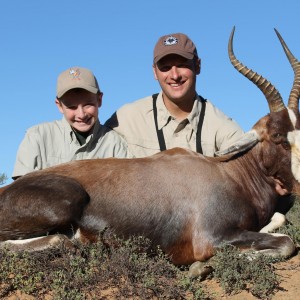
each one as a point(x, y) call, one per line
point(59, 105)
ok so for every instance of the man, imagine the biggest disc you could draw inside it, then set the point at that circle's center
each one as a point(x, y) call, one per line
point(79, 135)
point(177, 116)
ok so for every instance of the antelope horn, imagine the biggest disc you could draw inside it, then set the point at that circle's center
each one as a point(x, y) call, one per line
point(271, 93)
point(293, 102)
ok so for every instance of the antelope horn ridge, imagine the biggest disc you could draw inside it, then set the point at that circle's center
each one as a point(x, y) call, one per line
point(293, 102)
point(272, 95)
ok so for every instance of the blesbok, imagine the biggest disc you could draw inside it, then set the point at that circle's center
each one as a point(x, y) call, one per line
point(187, 203)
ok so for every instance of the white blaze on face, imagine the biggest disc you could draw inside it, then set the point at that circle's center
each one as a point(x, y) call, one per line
point(294, 140)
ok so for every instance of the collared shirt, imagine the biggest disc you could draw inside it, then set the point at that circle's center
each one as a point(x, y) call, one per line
point(53, 143)
point(135, 122)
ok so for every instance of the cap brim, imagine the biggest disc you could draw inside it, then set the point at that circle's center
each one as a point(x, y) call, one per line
point(77, 86)
point(181, 53)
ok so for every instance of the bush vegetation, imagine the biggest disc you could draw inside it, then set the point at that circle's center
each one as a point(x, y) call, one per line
point(129, 270)
point(3, 178)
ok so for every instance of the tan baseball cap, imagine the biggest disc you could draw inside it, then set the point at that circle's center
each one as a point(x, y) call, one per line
point(76, 77)
point(175, 43)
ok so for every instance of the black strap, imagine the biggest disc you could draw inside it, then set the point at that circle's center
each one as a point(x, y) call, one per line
point(160, 135)
point(199, 129)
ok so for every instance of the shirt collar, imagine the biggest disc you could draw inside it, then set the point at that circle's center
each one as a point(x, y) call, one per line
point(71, 135)
point(163, 115)
point(193, 117)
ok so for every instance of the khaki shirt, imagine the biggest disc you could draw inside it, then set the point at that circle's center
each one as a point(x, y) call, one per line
point(135, 122)
point(53, 143)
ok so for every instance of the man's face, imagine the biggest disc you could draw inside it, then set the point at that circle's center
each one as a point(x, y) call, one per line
point(177, 77)
point(80, 108)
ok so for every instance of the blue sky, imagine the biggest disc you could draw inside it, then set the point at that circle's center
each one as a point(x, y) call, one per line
point(115, 39)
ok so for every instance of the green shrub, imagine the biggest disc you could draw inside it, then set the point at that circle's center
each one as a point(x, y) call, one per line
point(123, 268)
point(3, 178)
point(238, 271)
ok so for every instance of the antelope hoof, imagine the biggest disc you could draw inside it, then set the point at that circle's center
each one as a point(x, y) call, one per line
point(200, 269)
point(63, 241)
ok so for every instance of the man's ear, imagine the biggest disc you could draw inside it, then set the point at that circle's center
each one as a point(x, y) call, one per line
point(154, 71)
point(198, 66)
point(100, 95)
point(59, 105)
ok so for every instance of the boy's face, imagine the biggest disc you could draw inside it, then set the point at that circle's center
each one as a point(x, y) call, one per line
point(80, 108)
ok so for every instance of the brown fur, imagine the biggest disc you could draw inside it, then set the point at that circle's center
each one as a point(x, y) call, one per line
point(186, 203)
point(183, 201)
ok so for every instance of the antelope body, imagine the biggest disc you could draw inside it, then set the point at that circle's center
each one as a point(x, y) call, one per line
point(187, 203)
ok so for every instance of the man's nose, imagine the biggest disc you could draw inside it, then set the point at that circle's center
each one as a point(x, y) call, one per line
point(174, 72)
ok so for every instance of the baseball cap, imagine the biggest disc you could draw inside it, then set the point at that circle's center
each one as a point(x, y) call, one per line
point(175, 43)
point(76, 77)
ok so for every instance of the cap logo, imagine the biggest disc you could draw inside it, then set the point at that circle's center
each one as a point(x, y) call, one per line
point(74, 73)
point(171, 40)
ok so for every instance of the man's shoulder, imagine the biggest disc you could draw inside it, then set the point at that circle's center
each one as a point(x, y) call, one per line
point(217, 117)
point(131, 114)
point(217, 112)
point(143, 104)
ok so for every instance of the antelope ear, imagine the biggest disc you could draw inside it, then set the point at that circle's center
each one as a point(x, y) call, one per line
point(247, 141)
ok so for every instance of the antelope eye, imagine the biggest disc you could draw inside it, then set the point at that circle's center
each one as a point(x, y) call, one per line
point(276, 135)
